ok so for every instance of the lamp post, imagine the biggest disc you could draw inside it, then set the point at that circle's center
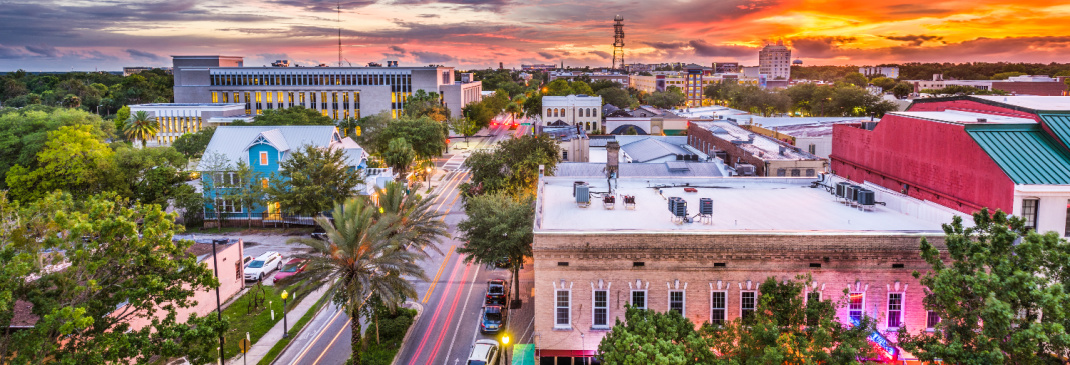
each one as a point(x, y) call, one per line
point(428, 176)
point(505, 347)
point(285, 326)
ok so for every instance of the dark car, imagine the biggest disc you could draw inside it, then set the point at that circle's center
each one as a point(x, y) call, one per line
point(503, 263)
point(496, 292)
point(319, 233)
point(492, 319)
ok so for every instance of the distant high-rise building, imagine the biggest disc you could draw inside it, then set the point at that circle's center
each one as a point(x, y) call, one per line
point(774, 61)
point(892, 72)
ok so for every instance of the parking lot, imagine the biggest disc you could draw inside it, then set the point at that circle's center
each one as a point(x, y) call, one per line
point(257, 243)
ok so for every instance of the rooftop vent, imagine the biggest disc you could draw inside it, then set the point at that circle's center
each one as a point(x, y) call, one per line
point(705, 206)
point(982, 120)
point(678, 207)
point(583, 195)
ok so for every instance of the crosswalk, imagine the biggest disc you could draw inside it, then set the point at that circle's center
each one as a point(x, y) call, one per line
point(456, 163)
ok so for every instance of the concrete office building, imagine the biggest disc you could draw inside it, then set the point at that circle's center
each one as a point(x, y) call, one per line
point(1016, 85)
point(774, 61)
point(581, 110)
point(592, 259)
point(892, 72)
point(337, 92)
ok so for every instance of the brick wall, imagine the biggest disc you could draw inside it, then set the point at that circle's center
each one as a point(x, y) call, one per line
point(939, 161)
point(1031, 88)
point(704, 140)
point(687, 262)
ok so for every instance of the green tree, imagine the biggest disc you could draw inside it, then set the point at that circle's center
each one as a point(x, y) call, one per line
point(141, 126)
point(360, 260)
point(465, 127)
point(856, 79)
point(513, 166)
point(1001, 292)
point(112, 262)
point(559, 87)
point(1007, 75)
point(423, 104)
point(150, 175)
point(902, 89)
point(427, 137)
point(498, 227)
point(479, 113)
point(296, 115)
point(650, 337)
point(23, 133)
point(121, 116)
point(193, 144)
point(581, 88)
point(513, 109)
point(953, 90)
point(72, 101)
point(885, 83)
point(533, 106)
point(247, 190)
point(668, 99)
point(617, 97)
point(399, 156)
point(312, 180)
point(73, 160)
point(422, 223)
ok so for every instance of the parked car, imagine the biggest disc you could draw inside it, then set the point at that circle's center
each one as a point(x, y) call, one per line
point(484, 352)
point(496, 292)
point(262, 265)
point(503, 263)
point(319, 233)
point(292, 267)
point(492, 319)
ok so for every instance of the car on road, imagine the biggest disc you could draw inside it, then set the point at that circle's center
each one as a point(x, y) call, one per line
point(492, 319)
point(319, 233)
point(497, 290)
point(484, 352)
point(292, 267)
point(262, 265)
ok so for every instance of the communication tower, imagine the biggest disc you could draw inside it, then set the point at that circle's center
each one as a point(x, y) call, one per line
point(618, 42)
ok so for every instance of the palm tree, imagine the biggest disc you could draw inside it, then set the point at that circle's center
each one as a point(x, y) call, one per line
point(140, 126)
point(420, 224)
point(360, 260)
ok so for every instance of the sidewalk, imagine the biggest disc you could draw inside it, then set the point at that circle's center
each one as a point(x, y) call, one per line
point(266, 342)
point(521, 319)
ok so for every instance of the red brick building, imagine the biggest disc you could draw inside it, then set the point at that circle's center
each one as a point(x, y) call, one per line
point(965, 153)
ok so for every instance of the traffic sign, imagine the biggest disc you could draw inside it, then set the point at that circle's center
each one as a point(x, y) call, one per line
point(244, 345)
point(525, 123)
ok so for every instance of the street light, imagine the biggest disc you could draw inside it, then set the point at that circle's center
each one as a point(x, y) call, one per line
point(428, 175)
point(505, 347)
point(285, 327)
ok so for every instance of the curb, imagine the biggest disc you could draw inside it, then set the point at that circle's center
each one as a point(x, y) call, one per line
point(419, 311)
point(314, 315)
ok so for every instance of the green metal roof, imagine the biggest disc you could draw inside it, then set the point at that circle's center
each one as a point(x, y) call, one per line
point(1025, 152)
point(1060, 124)
point(523, 354)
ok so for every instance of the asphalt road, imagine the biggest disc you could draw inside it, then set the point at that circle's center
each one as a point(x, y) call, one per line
point(452, 299)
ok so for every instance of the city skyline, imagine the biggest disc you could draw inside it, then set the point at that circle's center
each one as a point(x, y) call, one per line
point(59, 35)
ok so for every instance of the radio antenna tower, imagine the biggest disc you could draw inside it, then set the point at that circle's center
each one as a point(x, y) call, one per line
point(339, 5)
point(618, 42)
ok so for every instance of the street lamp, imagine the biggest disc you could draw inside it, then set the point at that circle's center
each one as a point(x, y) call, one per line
point(285, 326)
point(505, 347)
point(428, 175)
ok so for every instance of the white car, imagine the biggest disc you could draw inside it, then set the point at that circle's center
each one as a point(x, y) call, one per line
point(262, 265)
point(484, 352)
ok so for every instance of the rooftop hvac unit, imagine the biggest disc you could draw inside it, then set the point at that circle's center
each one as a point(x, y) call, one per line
point(866, 197)
point(678, 206)
point(705, 206)
point(583, 195)
point(849, 193)
point(854, 192)
point(745, 169)
point(629, 202)
point(841, 189)
point(575, 184)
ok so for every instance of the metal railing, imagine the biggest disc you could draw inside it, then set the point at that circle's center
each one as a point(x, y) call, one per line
point(264, 219)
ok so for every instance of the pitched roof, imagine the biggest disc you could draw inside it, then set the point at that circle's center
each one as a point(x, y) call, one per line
point(233, 142)
point(1024, 152)
point(665, 169)
point(1059, 125)
point(649, 149)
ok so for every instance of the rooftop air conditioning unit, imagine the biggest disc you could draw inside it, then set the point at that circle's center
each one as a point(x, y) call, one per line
point(745, 169)
point(866, 197)
point(678, 206)
point(841, 189)
point(705, 206)
point(583, 195)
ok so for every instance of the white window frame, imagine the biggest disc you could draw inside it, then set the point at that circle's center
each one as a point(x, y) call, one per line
point(683, 301)
point(861, 307)
point(932, 328)
point(755, 303)
point(646, 299)
point(724, 308)
point(264, 158)
point(595, 307)
point(568, 307)
point(807, 297)
point(902, 308)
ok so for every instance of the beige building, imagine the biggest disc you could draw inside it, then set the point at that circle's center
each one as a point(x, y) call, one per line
point(593, 259)
point(572, 142)
point(751, 153)
point(774, 61)
point(176, 119)
point(581, 110)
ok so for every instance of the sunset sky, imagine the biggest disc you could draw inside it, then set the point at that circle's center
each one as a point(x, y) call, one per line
point(49, 35)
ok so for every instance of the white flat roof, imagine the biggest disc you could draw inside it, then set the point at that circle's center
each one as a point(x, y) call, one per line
point(1031, 102)
point(740, 206)
point(961, 117)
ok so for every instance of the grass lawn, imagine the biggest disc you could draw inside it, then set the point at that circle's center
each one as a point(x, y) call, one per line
point(277, 349)
point(257, 321)
point(392, 328)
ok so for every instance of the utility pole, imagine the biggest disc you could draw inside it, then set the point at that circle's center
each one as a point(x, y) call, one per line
point(339, 5)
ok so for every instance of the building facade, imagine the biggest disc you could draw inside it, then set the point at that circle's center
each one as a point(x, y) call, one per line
point(738, 147)
point(967, 153)
point(336, 92)
point(774, 61)
point(872, 71)
point(1017, 85)
point(176, 119)
point(538, 67)
point(574, 110)
point(590, 261)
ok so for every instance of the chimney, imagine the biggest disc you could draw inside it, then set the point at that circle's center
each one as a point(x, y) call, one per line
point(612, 158)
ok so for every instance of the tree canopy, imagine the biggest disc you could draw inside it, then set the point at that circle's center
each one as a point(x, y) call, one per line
point(312, 180)
point(72, 160)
point(23, 133)
point(670, 98)
point(193, 144)
point(512, 167)
point(424, 104)
point(295, 115)
point(498, 227)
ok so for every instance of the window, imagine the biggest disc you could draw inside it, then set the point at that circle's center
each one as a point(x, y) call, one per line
point(813, 297)
point(237, 271)
point(639, 299)
point(747, 303)
point(601, 309)
point(931, 320)
point(564, 297)
point(676, 301)
point(781, 172)
point(1066, 231)
point(1029, 212)
point(718, 301)
point(813, 149)
point(227, 206)
point(895, 310)
point(564, 155)
point(263, 158)
point(855, 305)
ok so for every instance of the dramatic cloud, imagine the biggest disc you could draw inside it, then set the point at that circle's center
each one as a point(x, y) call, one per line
point(820, 47)
point(9, 53)
point(547, 55)
point(916, 40)
point(601, 54)
point(142, 54)
point(47, 51)
point(478, 5)
point(432, 57)
point(710, 50)
point(325, 5)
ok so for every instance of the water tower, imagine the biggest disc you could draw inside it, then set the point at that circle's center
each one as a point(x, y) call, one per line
point(618, 42)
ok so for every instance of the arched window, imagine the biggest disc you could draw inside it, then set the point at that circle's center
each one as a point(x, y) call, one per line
point(549, 112)
point(595, 113)
point(555, 112)
point(586, 112)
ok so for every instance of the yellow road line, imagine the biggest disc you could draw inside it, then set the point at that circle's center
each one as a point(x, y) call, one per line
point(317, 338)
point(434, 282)
point(325, 349)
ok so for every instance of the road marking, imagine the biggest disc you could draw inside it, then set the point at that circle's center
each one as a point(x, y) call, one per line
point(317, 338)
point(453, 309)
point(329, 344)
point(457, 328)
point(434, 282)
point(438, 310)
